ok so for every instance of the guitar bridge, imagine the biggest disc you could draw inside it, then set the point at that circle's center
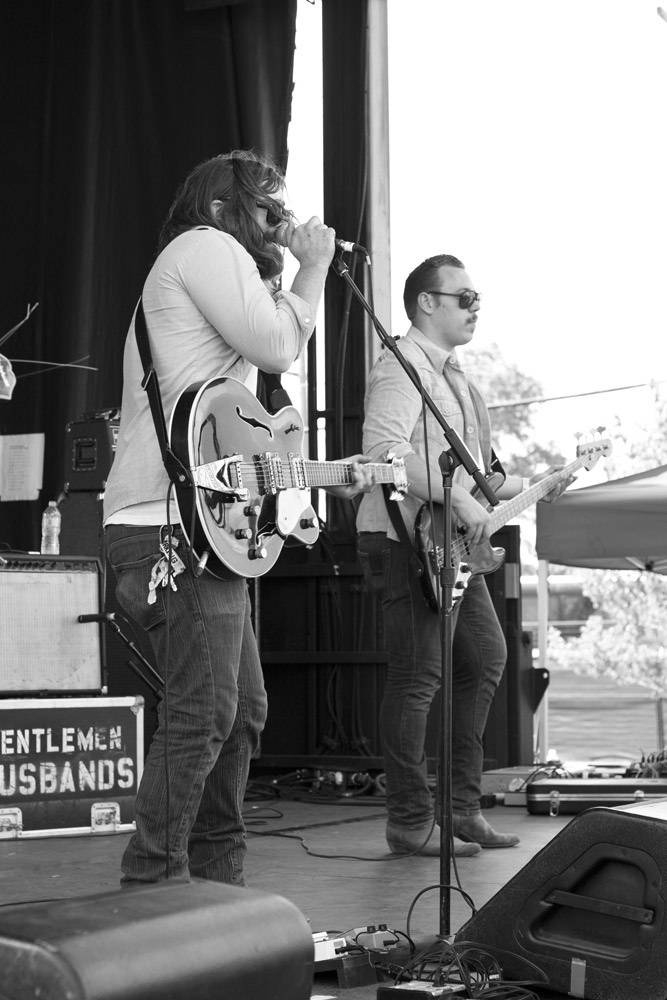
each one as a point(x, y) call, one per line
point(222, 476)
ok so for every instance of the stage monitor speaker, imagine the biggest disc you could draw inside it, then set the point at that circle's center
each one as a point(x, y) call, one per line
point(166, 941)
point(587, 915)
point(44, 647)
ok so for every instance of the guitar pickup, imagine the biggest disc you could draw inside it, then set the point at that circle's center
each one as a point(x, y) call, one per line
point(297, 467)
point(274, 475)
point(222, 476)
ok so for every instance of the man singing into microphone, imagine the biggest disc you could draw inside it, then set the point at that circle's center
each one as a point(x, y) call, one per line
point(211, 309)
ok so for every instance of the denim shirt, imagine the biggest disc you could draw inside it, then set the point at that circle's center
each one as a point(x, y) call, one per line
point(393, 422)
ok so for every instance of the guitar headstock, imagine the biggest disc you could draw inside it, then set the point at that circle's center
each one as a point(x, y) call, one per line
point(399, 477)
point(590, 452)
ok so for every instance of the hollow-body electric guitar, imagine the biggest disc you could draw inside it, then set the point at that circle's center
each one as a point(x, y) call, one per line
point(482, 557)
point(251, 483)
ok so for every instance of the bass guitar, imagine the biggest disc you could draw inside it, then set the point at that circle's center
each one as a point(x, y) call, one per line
point(251, 484)
point(482, 557)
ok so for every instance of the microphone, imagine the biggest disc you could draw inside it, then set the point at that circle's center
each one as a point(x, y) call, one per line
point(108, 616)
point(345, 245)
point(348, 247)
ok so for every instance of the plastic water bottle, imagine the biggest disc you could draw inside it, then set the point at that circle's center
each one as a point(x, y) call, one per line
point(51, 530)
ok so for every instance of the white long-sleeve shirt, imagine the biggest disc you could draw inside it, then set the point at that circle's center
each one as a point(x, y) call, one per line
point(208, 314)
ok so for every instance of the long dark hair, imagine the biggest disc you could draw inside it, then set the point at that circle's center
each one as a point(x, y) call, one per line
point(239, 180)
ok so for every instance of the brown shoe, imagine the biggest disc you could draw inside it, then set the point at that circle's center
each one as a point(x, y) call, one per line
point(403, 840)
point(476, 829)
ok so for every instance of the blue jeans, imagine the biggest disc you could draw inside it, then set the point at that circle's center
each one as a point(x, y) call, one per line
point(414, 670)
point(217, 709)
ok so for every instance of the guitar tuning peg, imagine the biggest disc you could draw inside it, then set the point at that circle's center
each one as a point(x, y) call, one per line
point(601, 429)
point(578, 435)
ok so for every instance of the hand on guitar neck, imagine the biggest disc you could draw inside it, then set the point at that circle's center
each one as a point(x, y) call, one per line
point(560, 486)
point(363, 478)
point(471, 555)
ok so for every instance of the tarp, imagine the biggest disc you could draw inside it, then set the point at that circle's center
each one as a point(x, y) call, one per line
point(620, 524)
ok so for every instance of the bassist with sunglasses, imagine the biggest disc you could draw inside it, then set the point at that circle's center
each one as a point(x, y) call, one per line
point(443, 308)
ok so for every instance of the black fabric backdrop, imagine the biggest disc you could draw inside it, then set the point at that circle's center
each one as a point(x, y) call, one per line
point(345, 137)
point(105, 107)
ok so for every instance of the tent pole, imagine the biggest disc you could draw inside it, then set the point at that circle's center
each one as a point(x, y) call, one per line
point(542, 714)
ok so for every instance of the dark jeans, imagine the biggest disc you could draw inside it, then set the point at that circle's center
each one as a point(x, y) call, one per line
point(414, 670)
point(217, 709)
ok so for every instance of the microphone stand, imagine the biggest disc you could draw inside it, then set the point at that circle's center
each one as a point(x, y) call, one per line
point(449, 460)
point(149, 674)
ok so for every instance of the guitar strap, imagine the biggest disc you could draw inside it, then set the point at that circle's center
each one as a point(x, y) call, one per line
point(497, 465)
point(271, 392)
point(399, 526)
point(176, 471)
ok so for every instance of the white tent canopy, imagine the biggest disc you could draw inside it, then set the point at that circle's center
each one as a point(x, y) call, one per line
point(620, 524)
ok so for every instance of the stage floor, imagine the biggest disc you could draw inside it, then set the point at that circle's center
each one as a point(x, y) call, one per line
point(348, 881)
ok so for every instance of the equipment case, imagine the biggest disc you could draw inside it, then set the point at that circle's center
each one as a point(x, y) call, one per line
point(554, 796)
point(69, 766)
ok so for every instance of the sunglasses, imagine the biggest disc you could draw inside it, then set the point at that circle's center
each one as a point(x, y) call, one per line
point(467, 298)
point(276, 213)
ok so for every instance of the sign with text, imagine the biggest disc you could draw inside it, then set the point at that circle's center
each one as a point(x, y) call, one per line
point(59, 755)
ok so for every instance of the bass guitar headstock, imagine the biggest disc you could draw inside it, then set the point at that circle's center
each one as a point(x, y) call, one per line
point(590, 452)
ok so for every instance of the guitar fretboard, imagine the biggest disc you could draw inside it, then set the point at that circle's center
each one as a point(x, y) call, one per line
point(272, 472)
point(504, 512)
point(309, 474)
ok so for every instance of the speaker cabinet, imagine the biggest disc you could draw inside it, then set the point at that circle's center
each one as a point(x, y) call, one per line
point(81, 530)
point(90, 446)
point(167, 941)
point(44, 647)
point(589, 910)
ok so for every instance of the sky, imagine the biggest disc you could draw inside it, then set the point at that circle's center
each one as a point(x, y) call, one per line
point(528, 138)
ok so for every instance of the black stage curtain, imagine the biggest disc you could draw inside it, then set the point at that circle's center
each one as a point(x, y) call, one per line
point(106, 107)
point(344, 35)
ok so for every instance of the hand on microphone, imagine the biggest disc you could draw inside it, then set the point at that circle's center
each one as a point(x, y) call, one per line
point(313, 244)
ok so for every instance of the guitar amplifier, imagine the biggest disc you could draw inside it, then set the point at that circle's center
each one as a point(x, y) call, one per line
point(44, 646)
